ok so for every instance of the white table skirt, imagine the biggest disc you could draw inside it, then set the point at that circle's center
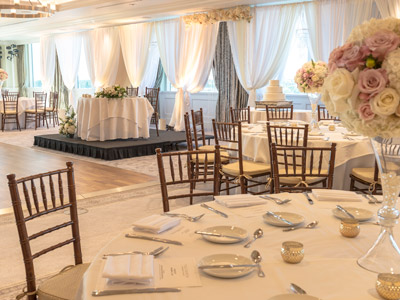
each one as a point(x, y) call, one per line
point(261, 115)
point(101, 119)
point(24, 103)
point(329, 269)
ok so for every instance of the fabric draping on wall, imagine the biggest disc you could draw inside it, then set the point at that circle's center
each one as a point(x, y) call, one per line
point(260, 47)
point(60, 88)
point(330, 23)
point(135, 42)
point(102, 51)
point(22, 66)
point(186, 54)
point(69, 53)
point(159, 76)
point(230, 91)
point(150, 75)
point(47, 61)
point(388, 8)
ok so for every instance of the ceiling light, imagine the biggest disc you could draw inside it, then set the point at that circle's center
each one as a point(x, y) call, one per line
point(27, 9)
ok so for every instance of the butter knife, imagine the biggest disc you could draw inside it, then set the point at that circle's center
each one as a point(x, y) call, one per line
point(97, 293)
point(308, 198)
point(151, 238)
point(279, 218)
point(214, 210)
point(229, 266)
point(218, 235)
point(345, 211)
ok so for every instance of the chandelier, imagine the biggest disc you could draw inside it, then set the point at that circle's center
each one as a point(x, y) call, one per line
point(31, 9)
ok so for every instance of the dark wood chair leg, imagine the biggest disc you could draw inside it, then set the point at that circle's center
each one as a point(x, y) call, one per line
point(26, 116)
point(18, 126)
point(45, 119)
point(157, 125)
point(3, 120)
point(36, 121)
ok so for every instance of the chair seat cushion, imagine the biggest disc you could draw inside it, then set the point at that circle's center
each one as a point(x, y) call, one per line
point(296, 180)
point(32, 111)
point(365, 174)
point(64, 285)
point(49, 109)
point(249, 168)
point(210, 157)
point(9, 112)
point(207, 147)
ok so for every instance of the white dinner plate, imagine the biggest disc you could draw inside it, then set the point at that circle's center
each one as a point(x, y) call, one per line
point(293, 297)
point(359, 213)
point(227, 259)
point(291, 217)
point(225, 230)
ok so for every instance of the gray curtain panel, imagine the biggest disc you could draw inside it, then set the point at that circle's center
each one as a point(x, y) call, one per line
point(160, 72)
point(22, 67)
point(230, 91)
point(58, 86)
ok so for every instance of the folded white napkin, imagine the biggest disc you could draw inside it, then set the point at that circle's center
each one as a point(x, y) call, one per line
point(336, 195)
point(156, 223)
point(315, 134)
point(135, 268)
point(318, 137)
point(240, 200)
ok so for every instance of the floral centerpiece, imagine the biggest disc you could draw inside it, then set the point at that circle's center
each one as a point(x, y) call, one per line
point(228, 14)
point(363, 89)
point(114, 91)
point(68, 123)
point(310, 77)
point(3, 75)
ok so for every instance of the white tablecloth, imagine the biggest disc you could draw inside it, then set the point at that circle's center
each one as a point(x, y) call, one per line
point(23, 104)
point(101, 119)
point(261, 115)
point(329, 269)
point(349, 153)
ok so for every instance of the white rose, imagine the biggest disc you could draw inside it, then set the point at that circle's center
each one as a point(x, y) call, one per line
point(71, 129)
point(66, 125)
point(385, 103)
point(339, 86)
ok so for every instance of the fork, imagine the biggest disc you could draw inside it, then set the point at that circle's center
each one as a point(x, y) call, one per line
point(155, 252)
point(277, 200)
point(189, 218)
point(374, 198)
point(370, 200)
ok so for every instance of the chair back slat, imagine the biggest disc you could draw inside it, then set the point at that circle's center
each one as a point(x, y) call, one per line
point(10, 102)
point(60, 189)
point(43, 190)
point(52, 191)
point(54, 247)
point(198, 128)
point(132, 92)
point(152, 95)
point(27, 199)
point(279, 112)
point(53, 101)
point(34, 195)
point(40, 101)
point(188, 132)
point(240, 114)
point(323, 114)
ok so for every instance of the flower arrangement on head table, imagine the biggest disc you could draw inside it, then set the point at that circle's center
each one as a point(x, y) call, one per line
point(3, 75)
point(363, 85)
point(310, 77)
point(114, 91)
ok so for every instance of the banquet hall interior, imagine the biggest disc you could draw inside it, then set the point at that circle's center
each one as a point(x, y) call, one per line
point(180, 149)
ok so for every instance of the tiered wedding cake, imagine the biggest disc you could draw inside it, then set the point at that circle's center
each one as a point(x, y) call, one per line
point(274, 93)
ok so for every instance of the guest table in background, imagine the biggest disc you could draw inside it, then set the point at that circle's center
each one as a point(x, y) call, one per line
point(101, 119)
point(23, 104)
point(261, 115)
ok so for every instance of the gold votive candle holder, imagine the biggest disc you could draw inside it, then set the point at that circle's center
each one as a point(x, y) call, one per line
point(332, 127)
point(388, 286)
point(349, 228)
point(292, 252)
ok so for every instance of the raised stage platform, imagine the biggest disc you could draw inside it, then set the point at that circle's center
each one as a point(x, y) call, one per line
point(115, 149)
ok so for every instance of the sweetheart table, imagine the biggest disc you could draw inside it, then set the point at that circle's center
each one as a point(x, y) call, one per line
point(101, 119)
point(328, 271)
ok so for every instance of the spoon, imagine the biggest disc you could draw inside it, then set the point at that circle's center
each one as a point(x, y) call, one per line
point(256, 256)
point(297, 290)
point(308, 226)
point(189, 218)
point(277, 200)
point(257, 234)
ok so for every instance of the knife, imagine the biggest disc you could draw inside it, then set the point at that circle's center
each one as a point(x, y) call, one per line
point(97, 293)
point(202, 267)
point(218, 235)
point(214, 210)
point(279, 218)
point(308, 198)
point(345, 211)
point(296, 289)
point(151, 238)
point(374, 198)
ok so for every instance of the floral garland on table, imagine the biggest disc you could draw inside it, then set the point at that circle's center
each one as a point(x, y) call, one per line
point(310, 77)
point(229, 14)
point(68, 123)
point(114, 91)
point(363, 87)
point(3, 75)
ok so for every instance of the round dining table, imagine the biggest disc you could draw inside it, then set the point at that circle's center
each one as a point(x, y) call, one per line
point(328, 271)
point(24, 103)
point(259, 114)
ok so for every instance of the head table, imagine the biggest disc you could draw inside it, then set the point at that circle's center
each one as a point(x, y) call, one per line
point(101, 119)
point(328, 271)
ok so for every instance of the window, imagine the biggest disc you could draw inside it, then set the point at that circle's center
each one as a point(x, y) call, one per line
point(83, 79)
point(209, 87)
point(34, 66)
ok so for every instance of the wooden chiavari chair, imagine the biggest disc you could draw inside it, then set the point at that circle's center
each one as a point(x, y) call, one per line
point(239, 172)
point(323, 114)
point(152, 96)
point(132, 92)
point(184, 169)
point(52, 109)
point(38, 112)
point(302, 168)
point(65, 284)
point(240, 114)
point(279, 112)
point(368, 177)
point(10, 109)
point(198, 130)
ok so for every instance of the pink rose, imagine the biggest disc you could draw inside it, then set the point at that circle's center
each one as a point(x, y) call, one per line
point(365, 112)
point(382, 42)
point(353, 57)
point(371, 82)
point(335, 56)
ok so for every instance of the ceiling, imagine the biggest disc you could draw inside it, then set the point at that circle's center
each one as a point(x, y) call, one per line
point(76, 15)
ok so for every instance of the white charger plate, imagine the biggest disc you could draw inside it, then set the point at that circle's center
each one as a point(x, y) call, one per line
point(359, 213)
point(296, 219)
point(226, 230)
point(293, 297)
point(227, 259)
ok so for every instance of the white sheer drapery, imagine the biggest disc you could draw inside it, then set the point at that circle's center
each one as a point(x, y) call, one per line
point(150, 75)
point(47, 61)
point(102, 51)
point(260, 47)
point(388, 8)
point(135, 45)
point(69, 53)
point(330, 22)
point(186, 54)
